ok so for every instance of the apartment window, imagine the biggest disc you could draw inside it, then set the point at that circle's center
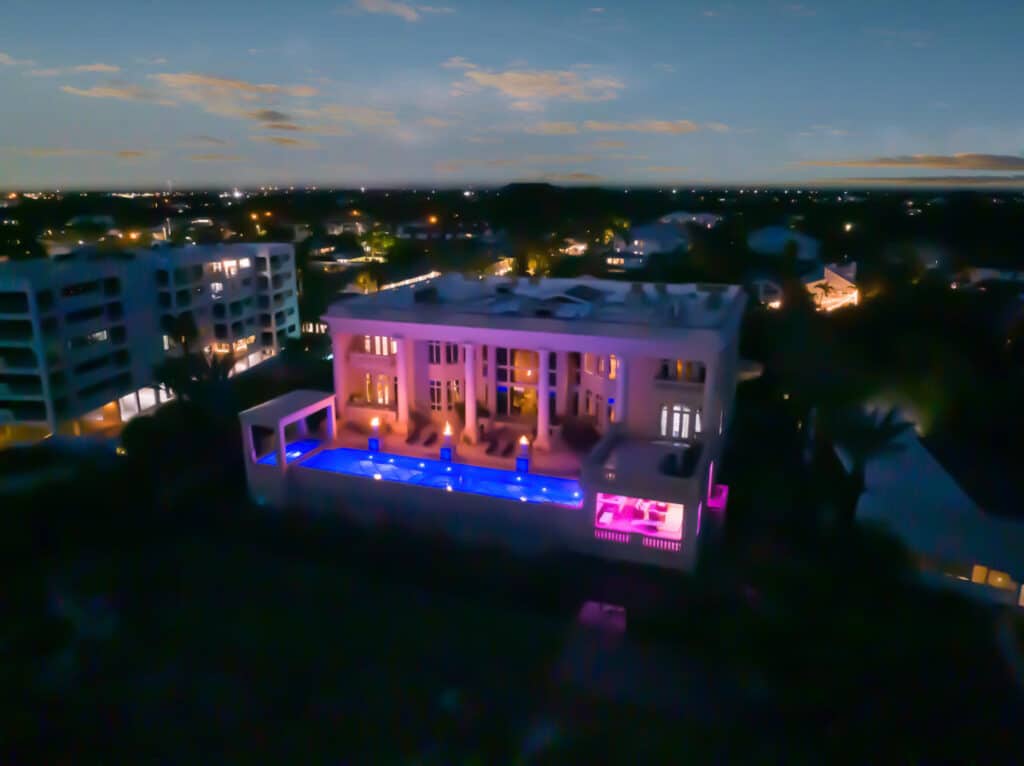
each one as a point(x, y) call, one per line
point(434, 352)
point(483, 351)
point(216, 289)
point(575, 362)
point(613, 367)
point(231, 268)
point(611, 411)
point(217, 268)
point(381, 345)
point(451, 353)
point(435, 395)
point(601, 360)
point(368, 387)
point(588, 403)
point(244, 263)
point(552, 369)
point(384, 385)
point(588, 363)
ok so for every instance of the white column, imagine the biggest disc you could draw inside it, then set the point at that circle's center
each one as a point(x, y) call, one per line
point(562, 383)
point(402, 373)
point(543, 440)
point(470, 431)
point(282, 449)
point(492, 377)
point(712, 400)
point(339, 345)
point(332, 424)
point(621, 392)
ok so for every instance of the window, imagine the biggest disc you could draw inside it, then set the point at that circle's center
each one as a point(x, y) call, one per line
point(675, 421)
point(368, 390)
point(588, 363)
point(217, 268)
point(588, 403)
point(452, 389)
point(244, 263)
point(483, 351)
point(451, 353)
point(613, 367)
point(216, 288)
point(167, 342)
point(231, 268)
point(435, 395)
point(384, 386)
point(552, 369)
point(601, 366)
point(97, 337)
point(434, 352)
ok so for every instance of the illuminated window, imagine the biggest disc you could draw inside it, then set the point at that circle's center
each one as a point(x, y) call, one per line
point(97, 337)
point(216, 288)
point(613, 367)
point(675, 421)
point(231, 268)
point(367, 343)
point(650, 518)
point(434, 352)
point(394, 346)
point(588, 363)
point(368, 381)
point(435, 395)
point(454, 393)
point(1001, 580)
point(245, 263)
point(217, 268)
point(167, 343)
point(979, 574)
point(384, 389)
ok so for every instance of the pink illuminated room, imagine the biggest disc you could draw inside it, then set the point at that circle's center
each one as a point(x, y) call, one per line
point(652, 518)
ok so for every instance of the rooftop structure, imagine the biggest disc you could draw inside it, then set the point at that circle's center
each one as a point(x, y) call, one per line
point(601, 405)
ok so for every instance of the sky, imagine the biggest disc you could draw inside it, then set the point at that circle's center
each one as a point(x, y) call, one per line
point(145, 93)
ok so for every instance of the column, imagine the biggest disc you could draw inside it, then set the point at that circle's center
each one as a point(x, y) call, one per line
point(562, 383)
point(712, 399)
point(282, 449)
point(621, 393)
point(332, 424)
point(543, 440)
point(402, 373)
point(492, 377)
point(339, 345)
point(470, 431)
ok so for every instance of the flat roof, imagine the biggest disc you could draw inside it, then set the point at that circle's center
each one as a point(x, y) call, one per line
point(272, 412)
point(585, 301)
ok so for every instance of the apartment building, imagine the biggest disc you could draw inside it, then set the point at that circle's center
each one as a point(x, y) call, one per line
point(81, 334)
point(482, 388)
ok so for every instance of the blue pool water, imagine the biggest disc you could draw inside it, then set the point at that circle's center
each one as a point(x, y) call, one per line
point(295, 451)
point(454, 477)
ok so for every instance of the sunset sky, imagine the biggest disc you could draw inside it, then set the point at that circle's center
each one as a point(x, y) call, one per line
point(385, 92)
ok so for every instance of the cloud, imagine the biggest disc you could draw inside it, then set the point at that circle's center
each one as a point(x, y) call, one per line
point(529, 88)
point(553, 129)
point(559, 159)
point(596, 10)
point(823, 130)
point(61, 151)
point(436, 122)
point(363, 116)
point(485, 140)
point(320, 130)
point(211, 140)
point(994, 162)
point(665, 67)
point(666, 169)
point(291, 143)
point(8, 60)
point(608, 145)
point(939, 181)
point(674, 127)
point(155, 61)
point(458, 62)
point(267, 115)
point(573, 178)
point(404, 11)
point(121, 92)
point(215, 157)
point(95, 68)
point(456, 166)
point(226, 96)
point(51, 72)
point(282, 126)
point(717, 127)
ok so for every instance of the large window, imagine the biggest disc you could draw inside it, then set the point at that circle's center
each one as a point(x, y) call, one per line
point(435, 395)
point(650, 518)
point(682, 370)
point(678, 420)
point(451, 353)
point(613, 367)
point(434, 352)
point(452, 389)
point(552, 369)
point(379, 345)
point(516, 365)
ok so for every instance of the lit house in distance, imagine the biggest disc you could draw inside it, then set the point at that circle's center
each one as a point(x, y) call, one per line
point(80, 334)
point(578, 413)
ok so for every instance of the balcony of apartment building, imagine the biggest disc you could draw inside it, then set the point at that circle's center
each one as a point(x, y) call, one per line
point(21, 386)
point(17, 331)
point(18, 360)
point(680, 373)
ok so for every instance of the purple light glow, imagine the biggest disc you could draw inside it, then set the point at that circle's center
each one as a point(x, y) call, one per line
point(650, 518)
point(718, 497)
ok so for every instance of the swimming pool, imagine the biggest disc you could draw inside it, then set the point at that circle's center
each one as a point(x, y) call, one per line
point(453, 477)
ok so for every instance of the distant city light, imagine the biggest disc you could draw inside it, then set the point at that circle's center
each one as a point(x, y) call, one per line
point(847, 227)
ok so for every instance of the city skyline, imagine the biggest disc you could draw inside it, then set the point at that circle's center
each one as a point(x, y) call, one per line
point(383, 92)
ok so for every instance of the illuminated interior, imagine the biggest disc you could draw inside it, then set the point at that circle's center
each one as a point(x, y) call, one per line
point(651, 518)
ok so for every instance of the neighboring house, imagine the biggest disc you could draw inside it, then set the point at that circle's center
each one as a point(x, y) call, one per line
point(351, 225)
point(80, 335)
point(644, 241)
point(459, 403)
point(831, 286)
point(426, 229)
point(773, 240)
point(954, 542)
point(573, 246)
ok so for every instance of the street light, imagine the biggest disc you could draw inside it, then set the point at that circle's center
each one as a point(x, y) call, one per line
point(847, 227)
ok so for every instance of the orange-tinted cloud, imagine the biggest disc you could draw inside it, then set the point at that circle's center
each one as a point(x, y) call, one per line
point(995, 162)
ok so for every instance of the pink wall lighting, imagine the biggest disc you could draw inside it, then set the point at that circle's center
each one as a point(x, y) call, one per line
point(718, 498)
point(612, 537)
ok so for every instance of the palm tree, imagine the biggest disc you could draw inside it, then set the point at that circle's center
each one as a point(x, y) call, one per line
point(824, 291)
point(862, 435)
